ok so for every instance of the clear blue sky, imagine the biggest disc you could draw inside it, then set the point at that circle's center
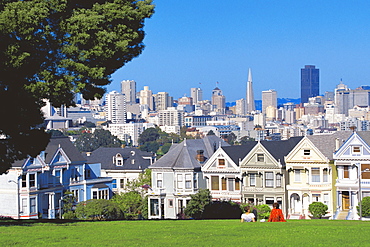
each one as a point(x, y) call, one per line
point(202, 41)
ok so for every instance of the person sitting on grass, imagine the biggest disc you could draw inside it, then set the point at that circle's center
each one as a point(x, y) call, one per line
point(247, 216)
point(276, 214)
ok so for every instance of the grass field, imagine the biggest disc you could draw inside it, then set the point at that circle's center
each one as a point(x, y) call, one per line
point(187, 233)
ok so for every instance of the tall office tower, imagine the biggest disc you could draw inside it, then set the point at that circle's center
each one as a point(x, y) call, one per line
point(240, 107)
point(146, 98)
point(219, 100)
point(115, 107)
point(269, 98)
point(196, 94)
point(309, 83)
point(162, 100)
point(128, 88)
point(249, 100)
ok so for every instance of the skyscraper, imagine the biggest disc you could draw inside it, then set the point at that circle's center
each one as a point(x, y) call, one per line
point(116, 107)
point(128, 88)
point(146, 98)
point(218, 100)
point(309, 82)
point(269, 98)
point(196, 94)
point(249, 100)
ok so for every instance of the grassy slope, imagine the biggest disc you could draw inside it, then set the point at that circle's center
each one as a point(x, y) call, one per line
point(187, 232)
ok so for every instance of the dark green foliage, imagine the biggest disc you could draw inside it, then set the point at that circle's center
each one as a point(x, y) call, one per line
point(318, 209)
point(88, 124)
point(197, 203)
point(150, 147)
point(68, 205)
point(365, 206)
point(88, 142)
point(98, 209)
point(222, 210)
point(130, 203)
point(54, 49)
point(231, 138)
point(166, 147)
point(55, 132)
point(263, 211)
point(149, 135)
point(246, 139)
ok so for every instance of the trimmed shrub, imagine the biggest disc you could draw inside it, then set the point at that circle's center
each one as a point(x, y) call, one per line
point(222, 210)
point(98, 209)
point(263, 211)
point(317, 209)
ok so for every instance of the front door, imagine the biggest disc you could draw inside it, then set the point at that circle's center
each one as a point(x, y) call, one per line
point(345, 200)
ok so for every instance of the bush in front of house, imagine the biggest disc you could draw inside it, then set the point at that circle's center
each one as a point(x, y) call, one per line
point(222, 210)
point(365, 206)
point(263, 211)
point(317, 209)
point(98, 209)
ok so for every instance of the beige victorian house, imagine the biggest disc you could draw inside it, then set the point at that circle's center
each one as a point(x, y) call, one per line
point(310, 172)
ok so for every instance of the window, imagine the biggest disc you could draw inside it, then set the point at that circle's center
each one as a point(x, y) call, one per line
point(75, 194)
point(87, 173)
point(159, 180)
point(223, 183)
point(306, 152)
point(103, 194)
point(74, 174)
point(154, 207)
point(221, 162)
point(315, 197)
point(237, 184)
point(32, 179)
point(366, 174)
point(269, 200)
point(260, 158)
point(214, 183)
point(269, 179)
point(195, 181)
point(24, 181)
point(95, 195)
point(24, 205)
point(188, 181)
point(297, 175)
point(57, 176)
point(356, 150)
point(33, 205)
point(326, 199)
point(252, 179)
point(114, 183)
point(345, 172)
point(170, 203)
point(315, 174)
point(121, 183)
point(325, 175)
point(231, 182)
point(180, 181)
point(278, 179)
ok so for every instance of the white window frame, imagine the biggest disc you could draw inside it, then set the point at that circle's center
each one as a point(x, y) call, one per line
point(159, 180)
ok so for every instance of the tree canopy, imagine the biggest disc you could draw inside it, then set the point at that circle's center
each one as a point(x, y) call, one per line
point(54, 49)
point(88, 142)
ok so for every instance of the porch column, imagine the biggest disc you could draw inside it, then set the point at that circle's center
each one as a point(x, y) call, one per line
point(51, 209)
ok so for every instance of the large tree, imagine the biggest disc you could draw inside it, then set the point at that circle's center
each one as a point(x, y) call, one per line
point(88, 142)
point(53, 49)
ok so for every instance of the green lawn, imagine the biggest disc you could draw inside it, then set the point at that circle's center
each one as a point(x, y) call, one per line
point(188, 233)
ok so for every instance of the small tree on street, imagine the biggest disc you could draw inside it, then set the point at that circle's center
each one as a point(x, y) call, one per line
point(198, 201)
point(365, 206)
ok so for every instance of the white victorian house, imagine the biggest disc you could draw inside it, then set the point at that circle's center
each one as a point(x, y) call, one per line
point(222, 172)
point(352, 161)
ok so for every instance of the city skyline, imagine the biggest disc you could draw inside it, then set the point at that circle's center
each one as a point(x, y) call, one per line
point(186, 46)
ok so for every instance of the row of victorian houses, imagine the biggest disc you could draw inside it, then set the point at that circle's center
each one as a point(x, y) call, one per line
point(333, 169)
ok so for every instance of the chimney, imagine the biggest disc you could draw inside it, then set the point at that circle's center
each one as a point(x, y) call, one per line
point(200, 156)
point(337, 144)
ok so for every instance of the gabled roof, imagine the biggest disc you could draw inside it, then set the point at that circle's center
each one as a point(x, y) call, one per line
point(51, 149)
point(327, 143)
point(279, 149)
point(105, 156)
point(239, 151)
point(183, 155)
